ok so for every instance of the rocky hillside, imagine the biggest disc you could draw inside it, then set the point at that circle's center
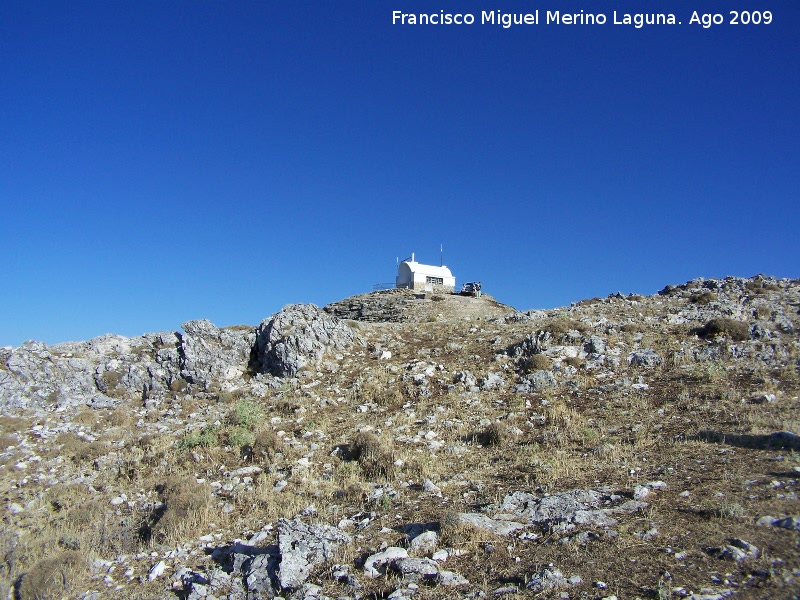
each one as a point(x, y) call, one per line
point(392, 446)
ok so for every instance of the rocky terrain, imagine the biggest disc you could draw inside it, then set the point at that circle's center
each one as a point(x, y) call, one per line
point(396, 446)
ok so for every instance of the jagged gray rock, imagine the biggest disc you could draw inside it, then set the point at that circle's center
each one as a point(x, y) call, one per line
point(645, 358)
point(425, 543)
point(303, 547)
point(216, 355)
point(412, 568)
point(578, 506)
point(298, 336)
point(375, 564)
point(538, 380)
point(551, 579)
point(97, 372)
point(386, 306)
point(479, 521)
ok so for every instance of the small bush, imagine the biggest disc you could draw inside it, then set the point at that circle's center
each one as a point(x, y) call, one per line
point(573, 361)
point(560, 328)
point(204, 438)
point(245, 413)
point(286, 407)
point(495, 434)
point(759, 287)
point(265, 444)
point(762, 313)
point(179, 385)
point(78, 449)
point(365, 446)
point(703, 298)
point(186, 508)
point(373, 459)
point(241, 437)
point(352, 493)
point(537, 362)
point(734, 330)
point(119, 417)
point(111, 384)
point(381, 466)
point(7, 440)
point(454, 532)
point(52, 577)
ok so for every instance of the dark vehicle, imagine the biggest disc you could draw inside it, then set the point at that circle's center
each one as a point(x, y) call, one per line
point(472, 288)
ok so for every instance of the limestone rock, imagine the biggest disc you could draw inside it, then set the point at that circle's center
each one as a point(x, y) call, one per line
point(645, 358)
point(304, 547)
point(298, 336)
point(479, 521)
point(550, 579)
point(374, 565)
point(424, 543)
point(451, 579)
point(416, 567)
point(211, 354)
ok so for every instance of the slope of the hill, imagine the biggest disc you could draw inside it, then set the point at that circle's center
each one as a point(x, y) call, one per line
point(394, 446)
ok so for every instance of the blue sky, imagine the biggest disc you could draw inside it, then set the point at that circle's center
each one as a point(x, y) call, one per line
point(163, 162)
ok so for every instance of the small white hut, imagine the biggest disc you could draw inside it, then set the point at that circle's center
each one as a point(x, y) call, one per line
point(425, 278)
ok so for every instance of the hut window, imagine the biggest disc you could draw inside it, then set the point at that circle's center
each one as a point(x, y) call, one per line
point(434, 280)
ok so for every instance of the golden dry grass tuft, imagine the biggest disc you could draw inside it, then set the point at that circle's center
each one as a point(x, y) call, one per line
point(53, 577)
point(375, 460)
point(186, 505)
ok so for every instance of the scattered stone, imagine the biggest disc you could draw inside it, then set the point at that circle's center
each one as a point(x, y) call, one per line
point(450, 579)
point(157, 570)
point(551, 579)
point(374, 565)
point(645, 358)
point(737, 550)
point(424, 543)
point(440, 555)
point(431, 488)
point(303, 547)
point(788, 523)
point(416, 567)
point(491, 381)
point(479, 521)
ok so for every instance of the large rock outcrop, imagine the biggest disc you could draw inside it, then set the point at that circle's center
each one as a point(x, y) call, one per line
point(299, 336)
point(211, 354)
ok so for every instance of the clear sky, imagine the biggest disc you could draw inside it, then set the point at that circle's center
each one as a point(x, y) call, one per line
point(168, 161)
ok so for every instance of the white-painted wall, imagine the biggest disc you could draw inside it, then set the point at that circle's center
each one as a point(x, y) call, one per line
point(414, 275)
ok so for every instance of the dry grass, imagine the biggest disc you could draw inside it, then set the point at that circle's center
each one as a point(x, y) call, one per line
point(186, 505)
point(374, 460)
point(264, 446)
point(53, 577)
point(78, 449)
point(737, 331)
point(593, 429)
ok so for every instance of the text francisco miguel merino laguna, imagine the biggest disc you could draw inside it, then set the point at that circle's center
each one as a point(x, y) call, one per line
point(551, 17)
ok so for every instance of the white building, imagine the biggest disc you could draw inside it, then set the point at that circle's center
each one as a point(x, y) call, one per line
point(425, 278)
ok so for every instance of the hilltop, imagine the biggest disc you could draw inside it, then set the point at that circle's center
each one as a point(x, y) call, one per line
point(399, 446)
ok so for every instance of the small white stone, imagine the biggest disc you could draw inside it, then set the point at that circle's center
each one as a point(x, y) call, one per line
point(157, 570)
point(440, 555)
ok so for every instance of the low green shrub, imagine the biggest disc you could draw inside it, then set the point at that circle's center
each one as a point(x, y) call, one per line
point(245, 413)
point(203, 438)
